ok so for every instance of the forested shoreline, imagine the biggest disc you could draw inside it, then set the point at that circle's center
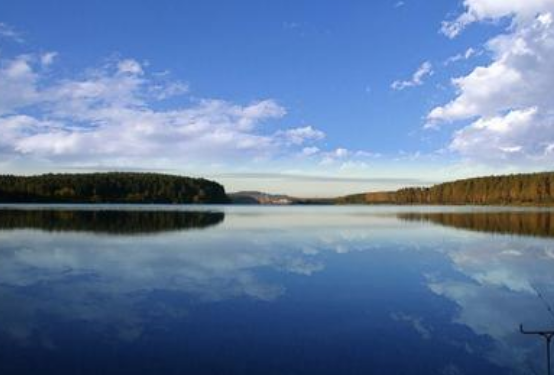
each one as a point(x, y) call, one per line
point(516, 189)
point(112, 187)
point(534, 189)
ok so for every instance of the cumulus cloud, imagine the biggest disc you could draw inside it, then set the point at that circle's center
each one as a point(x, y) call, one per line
point(481, 10)
point(508, 101)
point(425, 70)
point(506, 138)
point(116, 116)
point(110, 115)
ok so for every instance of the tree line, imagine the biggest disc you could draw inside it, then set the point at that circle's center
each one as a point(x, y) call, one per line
point(113, 187)
point(516, 189)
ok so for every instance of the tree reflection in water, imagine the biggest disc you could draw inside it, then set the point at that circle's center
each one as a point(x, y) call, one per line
point(115, 222)
point(536, 223)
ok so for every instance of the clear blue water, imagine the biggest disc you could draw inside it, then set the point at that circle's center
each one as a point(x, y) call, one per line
point(273, 290)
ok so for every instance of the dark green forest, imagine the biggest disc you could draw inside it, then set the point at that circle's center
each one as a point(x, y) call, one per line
point(114, 187)
point(516, 189)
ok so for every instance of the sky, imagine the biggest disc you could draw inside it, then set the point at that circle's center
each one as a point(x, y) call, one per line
point(308, 98)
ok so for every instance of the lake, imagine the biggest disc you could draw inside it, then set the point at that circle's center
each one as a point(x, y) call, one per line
point(274, 290)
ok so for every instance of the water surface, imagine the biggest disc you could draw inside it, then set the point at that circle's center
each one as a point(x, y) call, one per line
point(273, 290)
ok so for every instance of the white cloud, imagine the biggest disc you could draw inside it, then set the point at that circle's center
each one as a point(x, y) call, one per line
point(169, 90)
point(18, 84)
point(480, 10)
point(8, 32)
point(108, 114)
point(507, 101)
point(299, 136)
point(503, 138)
point(483, 91)
point(340, 153)
point(336, 155)
point(425, 70)
point(129, 66)
point(468, 54)
point(48, 58)
point(309, 151)
point(348, 160)
point(110, 117)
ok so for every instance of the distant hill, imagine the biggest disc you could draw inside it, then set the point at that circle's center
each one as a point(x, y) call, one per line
point(257, 197)
point(114, 187)
point(516, 189)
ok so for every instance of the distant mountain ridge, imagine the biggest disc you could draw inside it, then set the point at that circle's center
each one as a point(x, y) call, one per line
point(515, 189)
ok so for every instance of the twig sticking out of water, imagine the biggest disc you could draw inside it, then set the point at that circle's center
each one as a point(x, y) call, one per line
point(544, 301)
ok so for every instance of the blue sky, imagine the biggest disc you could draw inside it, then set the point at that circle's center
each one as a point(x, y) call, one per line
point(301, 97)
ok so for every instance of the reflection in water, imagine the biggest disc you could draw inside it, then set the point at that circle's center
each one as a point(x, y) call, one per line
point(498, 291)
point(540, 223)
point(355, 293)
point(107, 221)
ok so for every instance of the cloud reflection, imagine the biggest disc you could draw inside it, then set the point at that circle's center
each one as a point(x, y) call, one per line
point(119, 285)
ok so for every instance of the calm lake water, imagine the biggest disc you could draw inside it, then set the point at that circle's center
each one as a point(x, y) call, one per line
point(274, 290)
